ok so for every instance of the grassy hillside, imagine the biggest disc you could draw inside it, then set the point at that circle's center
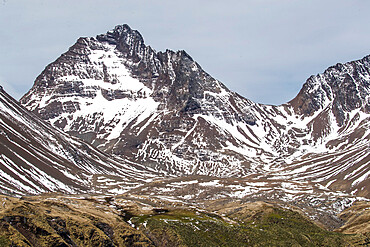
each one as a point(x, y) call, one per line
point(98, 221)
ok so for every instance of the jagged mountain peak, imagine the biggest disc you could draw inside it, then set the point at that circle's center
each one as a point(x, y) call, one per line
point(120, 32)
point(128, 41)
point(342, 87)
point(165, 74)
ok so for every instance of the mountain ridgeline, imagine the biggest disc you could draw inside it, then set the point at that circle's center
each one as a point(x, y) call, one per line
point(162, 110)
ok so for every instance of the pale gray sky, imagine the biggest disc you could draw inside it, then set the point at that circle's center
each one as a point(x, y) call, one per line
point(262, 49)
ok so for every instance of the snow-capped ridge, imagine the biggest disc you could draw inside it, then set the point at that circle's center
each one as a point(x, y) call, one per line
point(162, 110)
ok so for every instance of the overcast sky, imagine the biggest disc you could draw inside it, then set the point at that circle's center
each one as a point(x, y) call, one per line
point(262, 49)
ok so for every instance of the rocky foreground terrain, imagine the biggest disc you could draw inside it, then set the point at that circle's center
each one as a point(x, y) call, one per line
point(135, 220)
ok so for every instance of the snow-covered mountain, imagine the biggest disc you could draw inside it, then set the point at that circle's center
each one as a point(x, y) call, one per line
point(36, 157)
point(162, 110)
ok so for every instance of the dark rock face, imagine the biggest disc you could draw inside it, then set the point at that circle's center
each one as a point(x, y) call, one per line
point(161, 109)
point(343, 87)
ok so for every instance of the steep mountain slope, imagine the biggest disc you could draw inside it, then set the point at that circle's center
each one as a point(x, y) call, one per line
point(337, 105)
point(36, 158)
point(162, 110)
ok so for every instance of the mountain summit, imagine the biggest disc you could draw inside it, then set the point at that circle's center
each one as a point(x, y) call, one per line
point(162, 110)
